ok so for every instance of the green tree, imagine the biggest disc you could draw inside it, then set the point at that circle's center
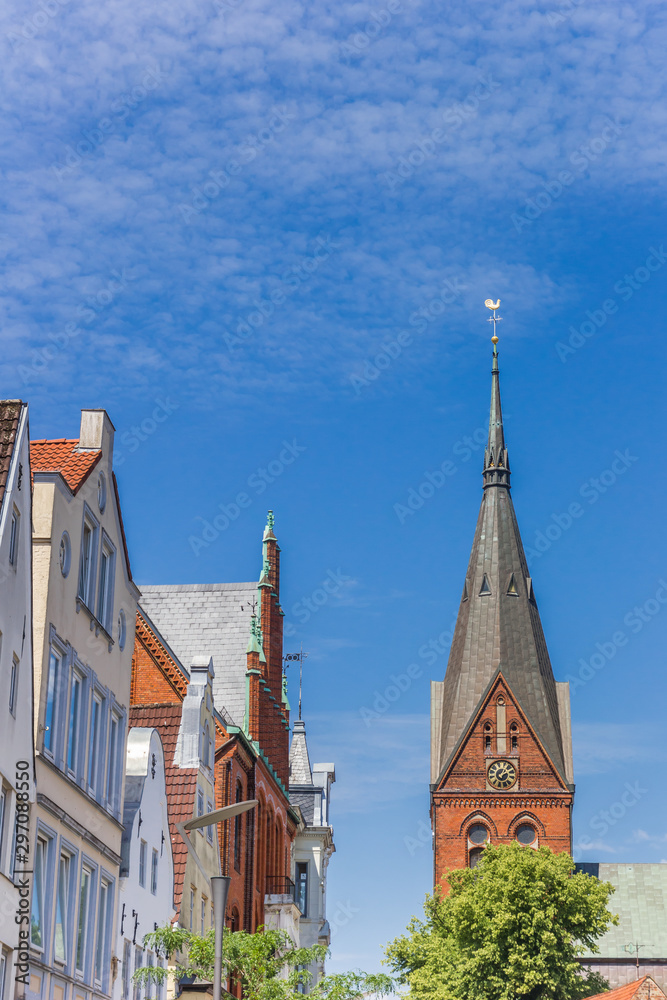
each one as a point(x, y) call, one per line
point(267, 964)
point(509, 929)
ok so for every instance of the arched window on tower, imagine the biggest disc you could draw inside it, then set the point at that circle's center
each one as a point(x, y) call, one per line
point(514, 738)
point(488, 737)
point(478, 837)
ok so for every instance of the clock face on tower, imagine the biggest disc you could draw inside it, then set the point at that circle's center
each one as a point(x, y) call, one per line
point(501, 774)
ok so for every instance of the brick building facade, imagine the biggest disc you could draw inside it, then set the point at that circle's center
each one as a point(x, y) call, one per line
point(240, 627)
point(501, 753)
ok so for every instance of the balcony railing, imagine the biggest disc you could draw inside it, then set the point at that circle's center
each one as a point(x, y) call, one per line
point(279, 885)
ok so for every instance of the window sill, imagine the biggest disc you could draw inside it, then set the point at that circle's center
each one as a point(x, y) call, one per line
point(95, 623)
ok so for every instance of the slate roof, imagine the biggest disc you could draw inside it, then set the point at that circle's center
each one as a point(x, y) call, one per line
point(10, 414)
point(61, 456)
point(300, 772)
point(640, 901)
point(628, 991)
point(208, 619)
point(498, 630)
point(181, 781)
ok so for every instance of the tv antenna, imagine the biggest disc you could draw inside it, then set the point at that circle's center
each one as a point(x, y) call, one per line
point(634, 948)
point(300, 657)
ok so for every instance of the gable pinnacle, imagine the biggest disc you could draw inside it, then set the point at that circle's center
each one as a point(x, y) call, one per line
point(496, 470)
point(270, 522)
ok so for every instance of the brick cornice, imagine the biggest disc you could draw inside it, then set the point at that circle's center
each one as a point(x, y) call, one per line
point(494, 801)
point(161, 657)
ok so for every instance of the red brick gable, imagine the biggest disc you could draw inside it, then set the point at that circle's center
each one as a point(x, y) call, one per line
point(464, 797)
point(468, 768)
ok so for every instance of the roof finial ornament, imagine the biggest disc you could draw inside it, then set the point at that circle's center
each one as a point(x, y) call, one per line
point(270, 520)
point(493, 306)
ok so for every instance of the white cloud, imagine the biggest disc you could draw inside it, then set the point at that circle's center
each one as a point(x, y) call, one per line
point(220, 79)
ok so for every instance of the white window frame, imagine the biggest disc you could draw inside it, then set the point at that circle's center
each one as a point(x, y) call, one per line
point(138, 963)
point(155, 858)
point(68, 854)
point(105, 591)
point(202, 916)
point(143, 855)
point(115, 760)
point(209, 829)
point(5, 957)
point(5, 802)
point(47, 839)
point(84, 919)
point(103, 930)
point(96, 756)
point(14, 537)
point(88, 562)
point(200, 806)
point(77, 726)
point(51, 739)
point(127, 970)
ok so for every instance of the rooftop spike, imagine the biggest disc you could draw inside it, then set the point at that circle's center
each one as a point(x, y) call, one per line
point(270, 521)
point(496, 466)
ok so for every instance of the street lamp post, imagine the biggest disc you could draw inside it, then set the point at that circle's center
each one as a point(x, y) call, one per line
point(219, 883)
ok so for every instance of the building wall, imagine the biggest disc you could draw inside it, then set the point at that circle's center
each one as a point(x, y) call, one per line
point(16, 745)
point(620, 973)
point(77, 819)
point(144, 902)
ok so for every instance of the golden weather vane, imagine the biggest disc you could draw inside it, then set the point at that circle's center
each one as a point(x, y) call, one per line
point(493, 306)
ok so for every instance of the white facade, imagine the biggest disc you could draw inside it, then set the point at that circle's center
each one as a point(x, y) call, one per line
point(146, 898)
point(310, 791)
point(195, 748)
point(84, 608)
point(16, 698)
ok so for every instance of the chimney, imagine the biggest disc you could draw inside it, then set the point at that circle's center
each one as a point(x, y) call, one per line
point(96, 433)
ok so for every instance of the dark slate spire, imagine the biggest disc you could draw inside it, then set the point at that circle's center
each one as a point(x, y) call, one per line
point(498, 626)
point(496, 464)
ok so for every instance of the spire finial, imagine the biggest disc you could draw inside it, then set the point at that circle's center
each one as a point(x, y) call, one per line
point(270, 520)
point(495, 318)
point(496, 464)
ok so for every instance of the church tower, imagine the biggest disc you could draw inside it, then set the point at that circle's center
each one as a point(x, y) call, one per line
point(501, 745)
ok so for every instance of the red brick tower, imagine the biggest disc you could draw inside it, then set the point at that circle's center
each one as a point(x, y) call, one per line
point(501, 752)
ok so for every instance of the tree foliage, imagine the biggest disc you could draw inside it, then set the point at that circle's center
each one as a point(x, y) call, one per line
point(267, 965)
point(509, 929)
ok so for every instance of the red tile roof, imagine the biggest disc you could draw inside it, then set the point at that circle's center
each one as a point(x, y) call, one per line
point(181, 781)
point(61, 456)
point(10, 414)
point(628, 991)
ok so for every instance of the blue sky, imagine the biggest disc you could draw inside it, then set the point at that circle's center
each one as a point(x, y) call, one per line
point(277, 223)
